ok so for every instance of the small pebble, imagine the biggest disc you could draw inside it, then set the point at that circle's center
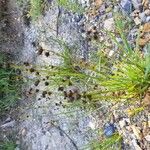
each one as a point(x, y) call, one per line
point(142, 16)
point(126, 6)
point(109, 24)
point(148, 19)
point(137, 21)
point(109, 129)
point(147, 12)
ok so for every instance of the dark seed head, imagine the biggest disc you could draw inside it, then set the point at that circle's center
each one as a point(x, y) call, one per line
point(32, 70)
point(95, 86)
point(63, 106)
point(65, 94)
point(70, 94)
point(84, 101)
point(89, 32)
point(95, 37)
point(70, 83)
point(51, 66)
point(44, 93)
point(37, 82)
point(37, 90)
point(94, 28)
point(30, 93)
point(89, 39)
point(63, 80)
point(30, 89)
point(67, 77)
point(49, 93)
point(33, 44)
point(47, 77)
point(26, 63)
point(46, 54)
point(89, 97)
point(77, 68)
point(60, 88)
point(56, 104)
point(46, 83)
point(37, 73)
point(40, 50)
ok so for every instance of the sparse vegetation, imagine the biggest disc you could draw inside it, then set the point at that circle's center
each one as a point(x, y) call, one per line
point(113, 142)
point(36, 7)
point(10, 82)
point(110, 143)
point(7, 145)
point(122, 78)
point(73, 6)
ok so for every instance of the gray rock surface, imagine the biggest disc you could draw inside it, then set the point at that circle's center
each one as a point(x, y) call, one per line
point(42, 124)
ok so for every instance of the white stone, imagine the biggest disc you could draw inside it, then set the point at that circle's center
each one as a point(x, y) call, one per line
point(122, 123)
point(111, 53)
point(109, 24)
point(142, 16)
point(136, 131)
point(92, 125)
point(147, 138)
point(147, 12)
point(137, 21)
point(148, 19)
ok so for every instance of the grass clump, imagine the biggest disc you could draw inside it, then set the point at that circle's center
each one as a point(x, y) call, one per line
point(36, 7)
point(124, 76)
point(10, 82)
point(7, 145)
point(73, 6)
point(130, 77)
point(109, 143)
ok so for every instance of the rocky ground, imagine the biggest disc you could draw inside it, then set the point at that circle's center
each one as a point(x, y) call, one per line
point(41, 121)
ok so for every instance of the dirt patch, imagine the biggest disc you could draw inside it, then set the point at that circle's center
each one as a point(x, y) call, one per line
point(11, 34)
